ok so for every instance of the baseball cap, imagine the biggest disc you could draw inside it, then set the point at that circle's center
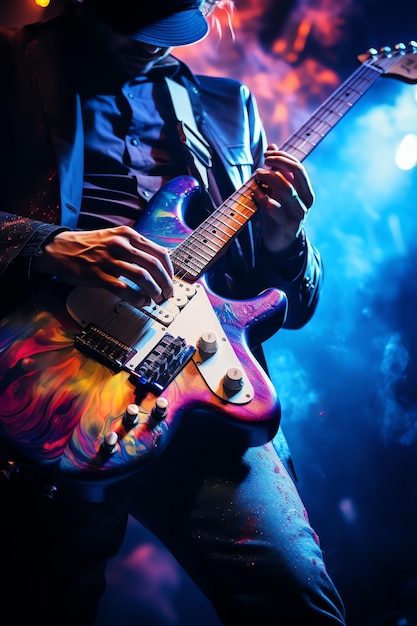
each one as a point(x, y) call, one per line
point(162, 23)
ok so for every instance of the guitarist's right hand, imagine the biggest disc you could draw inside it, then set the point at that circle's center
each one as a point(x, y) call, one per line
point(99, 258)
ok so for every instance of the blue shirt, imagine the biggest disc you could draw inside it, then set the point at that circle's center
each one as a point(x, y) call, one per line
point(132, 148)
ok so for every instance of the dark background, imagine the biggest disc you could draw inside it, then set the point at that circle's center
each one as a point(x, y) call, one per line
point(347, 381)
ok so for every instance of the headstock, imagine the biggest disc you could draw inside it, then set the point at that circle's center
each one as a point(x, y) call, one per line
point(398, 62)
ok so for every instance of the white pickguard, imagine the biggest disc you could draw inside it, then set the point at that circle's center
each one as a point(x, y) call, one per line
point(188, 314)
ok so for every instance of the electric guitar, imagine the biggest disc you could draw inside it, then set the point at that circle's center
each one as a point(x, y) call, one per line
point(92, 389)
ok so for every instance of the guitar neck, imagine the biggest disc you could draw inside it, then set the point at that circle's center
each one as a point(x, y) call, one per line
point(201, 248)
point(389, 62)
point(303, 141)
point(209, 240)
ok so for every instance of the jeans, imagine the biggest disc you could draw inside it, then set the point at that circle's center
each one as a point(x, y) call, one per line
point(231, 516)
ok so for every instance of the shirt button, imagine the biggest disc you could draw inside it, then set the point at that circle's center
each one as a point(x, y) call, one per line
point(134, 142)
point(130, 94)
point(146, 194)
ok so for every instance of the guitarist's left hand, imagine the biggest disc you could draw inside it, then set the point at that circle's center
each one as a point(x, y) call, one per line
point(284, 195)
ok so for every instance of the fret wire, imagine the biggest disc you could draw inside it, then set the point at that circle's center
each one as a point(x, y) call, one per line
point(181, 270)
point(235, 223)
point(334, 108)
point(191, 256)
point(251, 209)
point(220, 229)
point(195, 252)
point(232, 218)
point(214, 236)
point(249, 198)
point(194, 238)
point(201, 246)
point(195, 247)
point(189, 265)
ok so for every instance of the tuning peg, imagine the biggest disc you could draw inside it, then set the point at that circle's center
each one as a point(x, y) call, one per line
point(371, 53)
point(386, 50)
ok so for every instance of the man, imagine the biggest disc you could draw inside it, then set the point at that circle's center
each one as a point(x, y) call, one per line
point(97, 115)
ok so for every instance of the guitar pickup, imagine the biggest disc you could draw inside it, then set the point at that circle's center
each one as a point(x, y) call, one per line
point(155, 371)
point(163, 363)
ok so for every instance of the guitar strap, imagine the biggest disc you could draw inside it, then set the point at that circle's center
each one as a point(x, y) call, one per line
point(200, 151)
point(197, 145)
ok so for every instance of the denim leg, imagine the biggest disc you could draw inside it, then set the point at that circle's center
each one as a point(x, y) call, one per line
point(237, 525)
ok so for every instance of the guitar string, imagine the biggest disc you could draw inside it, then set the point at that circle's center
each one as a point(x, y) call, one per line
point(301, 141)
point(200, 248)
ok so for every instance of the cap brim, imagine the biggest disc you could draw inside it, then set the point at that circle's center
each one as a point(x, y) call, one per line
point(178, 29)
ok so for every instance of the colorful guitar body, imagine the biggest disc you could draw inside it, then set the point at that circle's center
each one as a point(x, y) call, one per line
point(62, 390)
point(92, 389)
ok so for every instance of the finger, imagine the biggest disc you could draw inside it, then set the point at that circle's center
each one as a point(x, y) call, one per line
point(295, 199)
point(273, 182)
point(141, 243)
point(280, 186)
point(144, 263)
point(287, 164)
point(273, 152)
point(149, 275)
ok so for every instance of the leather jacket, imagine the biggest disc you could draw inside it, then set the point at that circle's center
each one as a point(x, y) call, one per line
point(42, 165)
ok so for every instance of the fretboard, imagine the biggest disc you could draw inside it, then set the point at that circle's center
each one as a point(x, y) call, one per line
point(209, 240)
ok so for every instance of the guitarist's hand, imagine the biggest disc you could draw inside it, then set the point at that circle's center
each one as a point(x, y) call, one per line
point(284, 195)
point(98, 258)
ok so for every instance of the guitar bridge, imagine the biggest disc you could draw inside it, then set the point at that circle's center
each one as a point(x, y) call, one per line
point(103, 348)
point(155, 371)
